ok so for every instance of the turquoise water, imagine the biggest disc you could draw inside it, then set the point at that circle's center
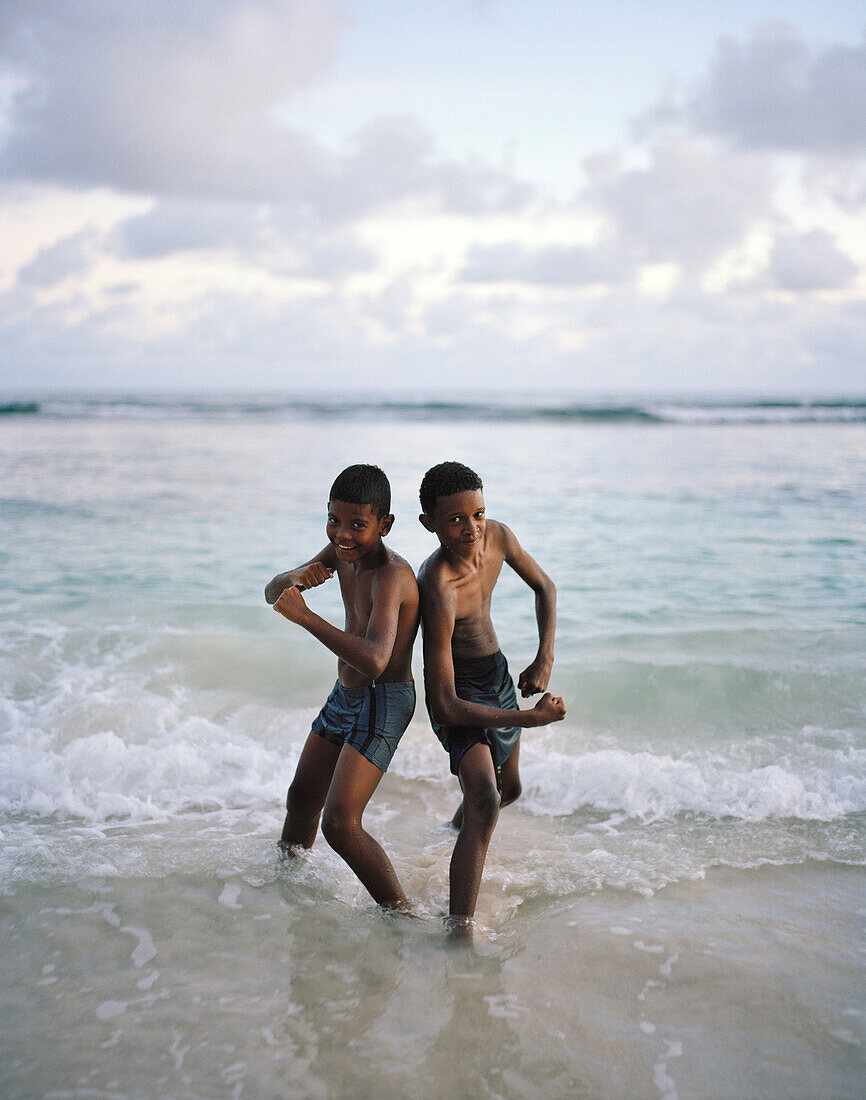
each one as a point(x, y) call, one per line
point(705, 793)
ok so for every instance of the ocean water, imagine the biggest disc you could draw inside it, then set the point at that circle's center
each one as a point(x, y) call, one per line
point(674, 908)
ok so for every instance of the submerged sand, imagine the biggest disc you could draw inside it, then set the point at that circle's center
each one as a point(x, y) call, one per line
point(744, 984)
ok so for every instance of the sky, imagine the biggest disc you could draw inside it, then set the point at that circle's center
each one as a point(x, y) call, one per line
point(437, 196)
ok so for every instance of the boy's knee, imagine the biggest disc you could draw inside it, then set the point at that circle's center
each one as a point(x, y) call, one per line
point(339, 827)
point(511, 791)
point(483, 806)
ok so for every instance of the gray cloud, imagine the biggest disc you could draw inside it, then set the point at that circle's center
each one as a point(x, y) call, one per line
point(161, 96)
point(337, 258)
point(394, 158)
point(810, 261)
point(554, 265)
point(250, 230)
point(772, 91)
point(177, 101)
point(183, 225)
point(688, 205)
point(71, 255)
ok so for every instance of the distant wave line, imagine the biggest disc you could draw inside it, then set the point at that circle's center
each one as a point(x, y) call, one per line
point(709, 412)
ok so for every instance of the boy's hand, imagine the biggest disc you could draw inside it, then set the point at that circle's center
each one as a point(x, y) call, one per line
point(306, 576)
point(291, 605)
point(549, 708)
point(311, 577)
point(534, 678)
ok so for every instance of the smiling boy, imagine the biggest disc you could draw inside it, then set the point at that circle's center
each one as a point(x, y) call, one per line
point(355, 734)
point(470, 694)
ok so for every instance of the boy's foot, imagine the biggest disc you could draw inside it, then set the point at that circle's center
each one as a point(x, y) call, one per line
point(459, 929)
point(407, 909)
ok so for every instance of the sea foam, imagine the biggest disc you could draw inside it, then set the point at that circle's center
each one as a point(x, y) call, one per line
point(652, 787)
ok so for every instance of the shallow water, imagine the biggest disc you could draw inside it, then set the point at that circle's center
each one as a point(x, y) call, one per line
point(674, 907)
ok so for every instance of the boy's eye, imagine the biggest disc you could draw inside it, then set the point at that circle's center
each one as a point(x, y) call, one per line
point(359, 525)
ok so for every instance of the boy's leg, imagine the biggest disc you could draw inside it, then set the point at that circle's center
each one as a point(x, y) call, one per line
point(480, 811)
point(355, 779)
point(308, 791)
point(509, 777)
point(507, 782)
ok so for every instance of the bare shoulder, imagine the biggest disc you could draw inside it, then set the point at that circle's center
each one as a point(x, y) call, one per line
point(500, 538)
point(438, 604)
point(433, 574)
point(396, 574)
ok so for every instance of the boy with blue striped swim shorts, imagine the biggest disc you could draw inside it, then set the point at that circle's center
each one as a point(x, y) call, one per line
point(354, 736)
point(370, 719)
point(469, 692)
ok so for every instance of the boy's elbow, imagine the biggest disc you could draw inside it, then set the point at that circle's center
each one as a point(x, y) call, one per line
point(274, 588)
point(376, 667)
point(548, 590)
point(374, 663)
point(442, 713)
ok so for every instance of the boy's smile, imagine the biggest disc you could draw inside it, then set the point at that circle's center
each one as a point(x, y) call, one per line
point(459, 522)
point(354, 529)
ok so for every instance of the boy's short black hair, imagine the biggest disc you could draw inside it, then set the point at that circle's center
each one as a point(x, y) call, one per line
point(444, 480)
point(363, 484)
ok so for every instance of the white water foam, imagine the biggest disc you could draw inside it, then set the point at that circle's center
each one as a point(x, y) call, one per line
point(654, 787)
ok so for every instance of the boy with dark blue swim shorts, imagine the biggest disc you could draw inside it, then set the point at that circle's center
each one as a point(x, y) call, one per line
point(357, 730)
point(469, 692)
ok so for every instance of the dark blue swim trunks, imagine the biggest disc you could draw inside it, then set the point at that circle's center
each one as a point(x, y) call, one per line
point(481, 680)
point(370, 719)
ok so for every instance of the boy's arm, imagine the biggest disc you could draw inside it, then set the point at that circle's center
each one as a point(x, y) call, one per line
point(446, 707)
point(535, 677)
point(312, 573)
point(369, 654)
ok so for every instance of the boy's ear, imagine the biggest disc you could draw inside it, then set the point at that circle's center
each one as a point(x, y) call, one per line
point(385, 525)
point(426, 522)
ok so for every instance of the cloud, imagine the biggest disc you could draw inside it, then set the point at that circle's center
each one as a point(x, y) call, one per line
point(737, 342)
point(72, 255)
point(554, 265)
point(772, 91)
point(338, 258)
point(183, 225)
point(178, 101)
point(688, 205)
point(621, 342)
point(162, 97)
point(810, 261)
point(394, 158)
point(227, 241)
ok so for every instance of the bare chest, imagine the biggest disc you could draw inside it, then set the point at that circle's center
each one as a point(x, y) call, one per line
point(473, 592)
point(358, 601)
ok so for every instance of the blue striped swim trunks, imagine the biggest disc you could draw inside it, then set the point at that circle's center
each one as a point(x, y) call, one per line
point(483, 680)
point(370, 719)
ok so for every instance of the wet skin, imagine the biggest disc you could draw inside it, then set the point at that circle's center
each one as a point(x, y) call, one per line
point(457, 583)
point(380, 597)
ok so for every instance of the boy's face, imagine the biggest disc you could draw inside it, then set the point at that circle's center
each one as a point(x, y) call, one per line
point(355, 529)
point(458, 522)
